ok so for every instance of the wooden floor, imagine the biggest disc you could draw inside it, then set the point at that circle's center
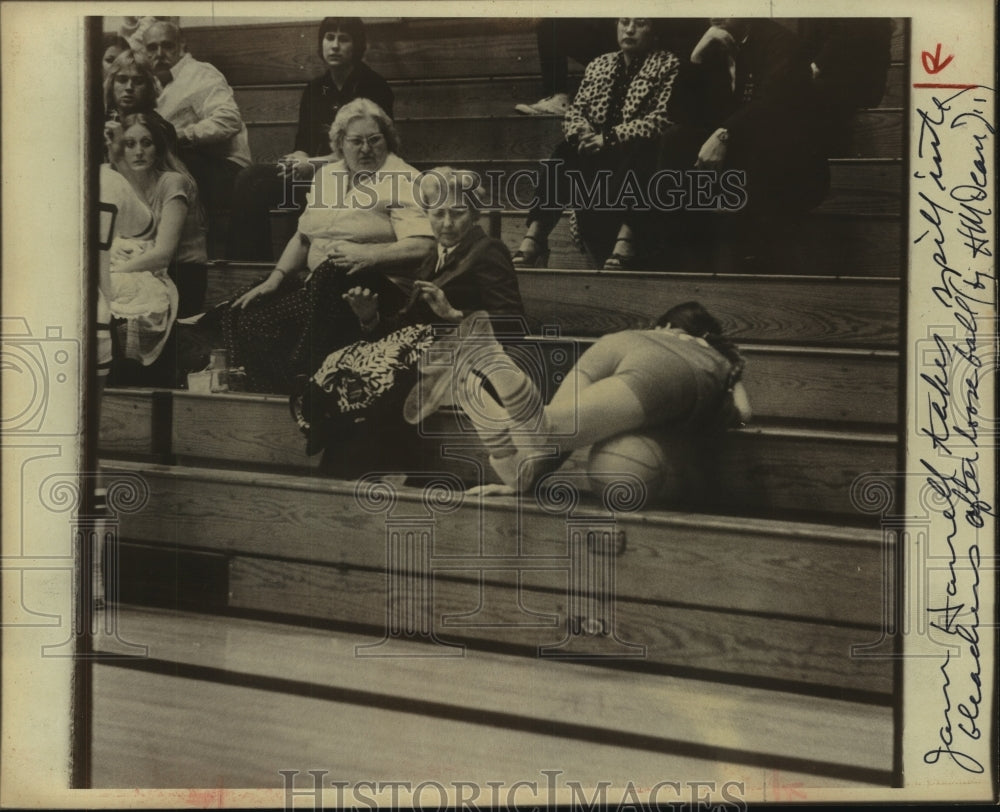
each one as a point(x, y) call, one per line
point(238, 700)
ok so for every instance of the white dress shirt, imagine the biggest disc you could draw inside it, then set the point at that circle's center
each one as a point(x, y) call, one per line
point(199, 103)
point(442, 257)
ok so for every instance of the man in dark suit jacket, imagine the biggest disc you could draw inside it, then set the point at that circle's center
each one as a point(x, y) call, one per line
point(745, 102)
point(849, 59)
point(757, 96)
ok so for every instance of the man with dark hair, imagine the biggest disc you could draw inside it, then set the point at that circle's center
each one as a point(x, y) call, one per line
point(341, 43)
point(764, 118)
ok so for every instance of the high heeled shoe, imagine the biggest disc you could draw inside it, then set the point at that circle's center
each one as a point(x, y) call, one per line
point(532, 259)
point(618, 261)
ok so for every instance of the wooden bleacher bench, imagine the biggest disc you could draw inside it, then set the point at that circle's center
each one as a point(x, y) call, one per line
point(818, 311)
point(677, 574)
point(867, 246)
point(278, 103)
point(462, 139)
point(764, 470)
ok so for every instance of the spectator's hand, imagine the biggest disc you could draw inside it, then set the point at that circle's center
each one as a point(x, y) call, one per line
point(296, 164)
point(351, 257)
point(112, 138)
point(303, 170)
point(363, 302)
point(437, 301)
point(591, 144)
point(122, 251)
point(265, 288)
point(741, 400)
point(714, 40)
point(712, 154)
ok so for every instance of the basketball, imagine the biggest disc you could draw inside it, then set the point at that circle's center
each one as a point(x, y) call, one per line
point(642, 456)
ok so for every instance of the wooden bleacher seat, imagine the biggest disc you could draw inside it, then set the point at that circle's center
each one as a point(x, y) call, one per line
point(675, 574)
point(763, 470)
point(819, 311)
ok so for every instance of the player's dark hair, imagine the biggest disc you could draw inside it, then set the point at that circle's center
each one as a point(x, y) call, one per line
point(695, 320)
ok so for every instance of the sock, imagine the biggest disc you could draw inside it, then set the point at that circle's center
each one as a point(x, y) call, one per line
point(507, 468)
point(518, 461)
point(523, 401)
point(522, 412)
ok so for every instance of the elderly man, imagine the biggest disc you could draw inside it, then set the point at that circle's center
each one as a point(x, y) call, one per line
point(199, 102)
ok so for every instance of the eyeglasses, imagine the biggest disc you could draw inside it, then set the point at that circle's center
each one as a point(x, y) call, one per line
point(372, 141)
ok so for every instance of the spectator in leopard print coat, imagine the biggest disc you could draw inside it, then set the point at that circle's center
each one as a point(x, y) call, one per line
point(611, 134)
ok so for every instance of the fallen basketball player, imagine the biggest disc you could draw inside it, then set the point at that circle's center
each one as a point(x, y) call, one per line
point(683, 374)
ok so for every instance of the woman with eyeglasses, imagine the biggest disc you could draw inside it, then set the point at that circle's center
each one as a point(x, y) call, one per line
point(361, 222)
point(341, 44)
